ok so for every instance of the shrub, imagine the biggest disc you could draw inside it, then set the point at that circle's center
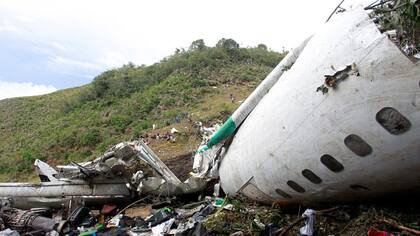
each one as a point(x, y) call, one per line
point(28, 158)
point(140, 127)
point(90, 137)
point(120, 122)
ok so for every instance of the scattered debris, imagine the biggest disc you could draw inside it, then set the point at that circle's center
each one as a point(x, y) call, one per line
point(139, 211)
point(308, 229)
point(9, 232)
point(403, 228)
point(174, 130)
point(375, 232)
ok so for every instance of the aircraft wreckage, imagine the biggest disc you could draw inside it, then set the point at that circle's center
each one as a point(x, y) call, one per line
point(337, 120)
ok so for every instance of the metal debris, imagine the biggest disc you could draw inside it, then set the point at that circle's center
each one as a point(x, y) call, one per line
point(31, 220)
point(105, 179)
point(308, 229)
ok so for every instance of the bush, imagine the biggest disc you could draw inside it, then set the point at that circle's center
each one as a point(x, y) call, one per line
point(140, 128)
point(90, 137)
point(120, 122)
point(28, 158)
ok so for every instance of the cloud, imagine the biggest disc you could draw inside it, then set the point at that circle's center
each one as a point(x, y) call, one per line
point(14, 89)
point(45, 36)
point(57, 46)
point(113, 59)
point(7, 26)
point(73, 63)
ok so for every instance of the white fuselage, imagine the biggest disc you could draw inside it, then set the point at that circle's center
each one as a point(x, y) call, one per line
point(360, 139)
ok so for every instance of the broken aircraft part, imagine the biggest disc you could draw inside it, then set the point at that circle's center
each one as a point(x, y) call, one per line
point(111, 177)
point(292, 132)
point(30, 220)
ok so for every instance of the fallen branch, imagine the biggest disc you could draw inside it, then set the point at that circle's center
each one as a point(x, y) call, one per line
point(395, 225)
point(283, 231)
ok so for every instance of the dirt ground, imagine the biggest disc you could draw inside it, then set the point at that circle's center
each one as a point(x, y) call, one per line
point(181, 165)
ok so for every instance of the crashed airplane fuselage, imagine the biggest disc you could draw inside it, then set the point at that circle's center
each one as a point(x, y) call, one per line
point(357, 136)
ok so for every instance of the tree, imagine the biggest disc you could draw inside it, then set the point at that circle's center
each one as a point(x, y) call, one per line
point(100, 86)
point(130, 65)
point(229, 44)
point(197, 45)
point(262, 46)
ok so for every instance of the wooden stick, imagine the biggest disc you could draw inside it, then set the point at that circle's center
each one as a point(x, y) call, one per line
point(283, 231)
point(395, 225)
point(328, 210)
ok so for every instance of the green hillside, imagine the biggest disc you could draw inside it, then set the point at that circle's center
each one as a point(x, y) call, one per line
point(76, 124)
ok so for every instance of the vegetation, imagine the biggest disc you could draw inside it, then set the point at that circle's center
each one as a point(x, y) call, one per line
point(123, 103)
point(403, 16)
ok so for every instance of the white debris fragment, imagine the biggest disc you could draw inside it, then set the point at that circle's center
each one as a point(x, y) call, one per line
point(308, 229)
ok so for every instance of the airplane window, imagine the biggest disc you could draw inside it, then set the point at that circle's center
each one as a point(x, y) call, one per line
point(331, 163)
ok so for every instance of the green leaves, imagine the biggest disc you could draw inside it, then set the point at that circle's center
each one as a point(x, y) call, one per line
point(404, 17)
point(228, 44)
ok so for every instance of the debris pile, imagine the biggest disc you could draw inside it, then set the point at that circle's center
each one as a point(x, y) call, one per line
point(211, 215)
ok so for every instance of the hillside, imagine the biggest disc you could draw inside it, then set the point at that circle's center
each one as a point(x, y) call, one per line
point(198, 84)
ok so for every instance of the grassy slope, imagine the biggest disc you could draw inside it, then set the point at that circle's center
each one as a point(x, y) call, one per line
point(121, 104)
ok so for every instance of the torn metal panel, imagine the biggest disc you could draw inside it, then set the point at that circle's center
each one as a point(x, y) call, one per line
point(146, 154)
point(70, 189)
point(331, 80)
point(45, 172)
point(54, 194)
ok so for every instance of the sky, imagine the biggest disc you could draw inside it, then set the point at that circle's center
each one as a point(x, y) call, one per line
point(47, 45)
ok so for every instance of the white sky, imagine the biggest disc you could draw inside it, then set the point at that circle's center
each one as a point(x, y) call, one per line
point(66, 43)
